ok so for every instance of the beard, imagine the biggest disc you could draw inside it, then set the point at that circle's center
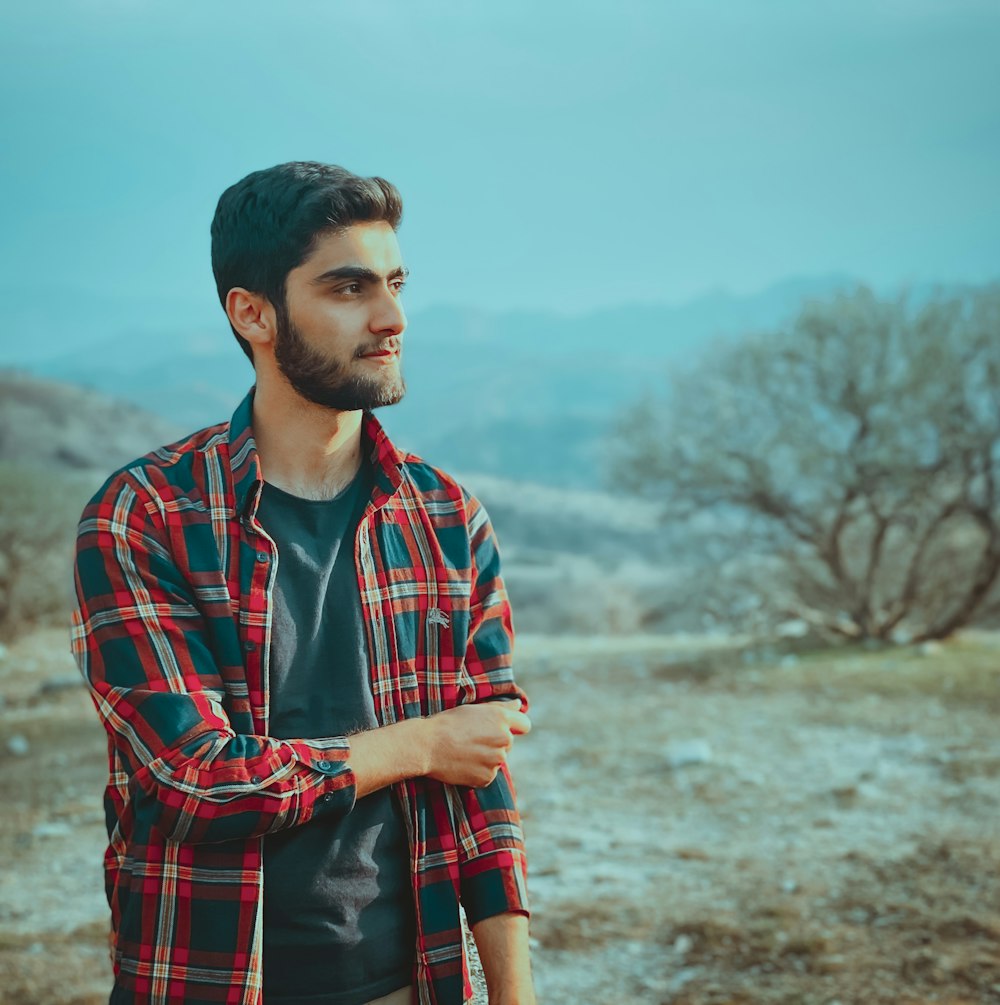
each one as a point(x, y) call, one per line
point(330, 382)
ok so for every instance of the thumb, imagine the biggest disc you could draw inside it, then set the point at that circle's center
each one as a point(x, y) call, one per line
point(517, 722)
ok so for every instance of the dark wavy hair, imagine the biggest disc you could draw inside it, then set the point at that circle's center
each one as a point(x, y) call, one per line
point(267, 224)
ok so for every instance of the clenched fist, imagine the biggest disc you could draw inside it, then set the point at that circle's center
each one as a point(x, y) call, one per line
point(466, 745)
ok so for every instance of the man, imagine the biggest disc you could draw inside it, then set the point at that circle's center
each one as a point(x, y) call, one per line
point(299, 643)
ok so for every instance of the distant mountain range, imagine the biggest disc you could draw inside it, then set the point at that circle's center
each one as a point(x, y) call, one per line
point(525, 395)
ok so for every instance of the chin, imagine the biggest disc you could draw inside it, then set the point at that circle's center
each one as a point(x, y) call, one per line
point(390, 395)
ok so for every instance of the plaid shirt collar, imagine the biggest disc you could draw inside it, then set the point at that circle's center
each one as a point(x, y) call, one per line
point(244, 462)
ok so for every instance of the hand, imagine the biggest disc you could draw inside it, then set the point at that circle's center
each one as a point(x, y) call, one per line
point(468, 744)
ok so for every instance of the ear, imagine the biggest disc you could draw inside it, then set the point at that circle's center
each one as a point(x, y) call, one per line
point(252, 315)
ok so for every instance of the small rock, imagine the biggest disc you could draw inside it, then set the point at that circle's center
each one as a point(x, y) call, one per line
point(683, 945)
point(789, 885)
point(681, 753)
point(18, 746)
point(929, 648)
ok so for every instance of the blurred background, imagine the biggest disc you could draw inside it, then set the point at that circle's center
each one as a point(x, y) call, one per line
point(705, 306)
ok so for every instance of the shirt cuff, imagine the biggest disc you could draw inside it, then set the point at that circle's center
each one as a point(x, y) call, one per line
point(334, 789)
point(493, 884)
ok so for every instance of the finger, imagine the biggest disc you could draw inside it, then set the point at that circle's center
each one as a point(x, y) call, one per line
point(518, 723)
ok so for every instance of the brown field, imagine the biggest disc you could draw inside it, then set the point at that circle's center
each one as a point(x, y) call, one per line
point(704, 828)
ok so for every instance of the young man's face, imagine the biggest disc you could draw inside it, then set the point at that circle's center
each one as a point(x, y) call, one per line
point(339, 338)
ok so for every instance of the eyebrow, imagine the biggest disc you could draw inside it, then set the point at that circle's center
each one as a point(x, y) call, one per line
point(357, 272)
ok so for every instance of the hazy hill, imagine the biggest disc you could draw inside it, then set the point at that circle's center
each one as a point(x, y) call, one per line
point(46, 423)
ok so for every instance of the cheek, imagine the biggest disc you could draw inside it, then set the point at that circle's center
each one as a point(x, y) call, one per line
point(331, 325)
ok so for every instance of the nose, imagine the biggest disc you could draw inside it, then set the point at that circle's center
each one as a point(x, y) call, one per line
point(388, 317)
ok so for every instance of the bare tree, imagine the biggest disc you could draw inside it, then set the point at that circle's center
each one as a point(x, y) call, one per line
point(859, 447)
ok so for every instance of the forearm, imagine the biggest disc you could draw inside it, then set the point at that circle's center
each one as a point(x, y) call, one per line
point(374, 759)
point(389, 754)
point(208, 796)
point(502, 941)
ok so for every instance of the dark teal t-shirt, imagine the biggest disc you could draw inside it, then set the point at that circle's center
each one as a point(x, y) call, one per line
point(338, 904)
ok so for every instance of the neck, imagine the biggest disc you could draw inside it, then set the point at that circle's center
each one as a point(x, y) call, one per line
point(308, 450)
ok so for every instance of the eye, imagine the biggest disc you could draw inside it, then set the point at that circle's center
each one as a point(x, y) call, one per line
point(397, 285)
point(350, 288)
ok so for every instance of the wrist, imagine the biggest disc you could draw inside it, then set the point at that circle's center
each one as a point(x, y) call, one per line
point(421, 740)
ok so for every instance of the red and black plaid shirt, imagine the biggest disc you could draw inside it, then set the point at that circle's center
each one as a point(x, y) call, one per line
point(172, 633)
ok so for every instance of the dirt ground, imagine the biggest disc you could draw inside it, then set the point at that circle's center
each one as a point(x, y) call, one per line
point(705, 826)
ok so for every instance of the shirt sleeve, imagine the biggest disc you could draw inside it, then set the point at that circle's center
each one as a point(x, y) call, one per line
point(143, 645)
point(492, 860)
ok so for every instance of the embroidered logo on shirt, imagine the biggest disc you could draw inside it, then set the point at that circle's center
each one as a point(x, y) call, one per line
point(435, 616)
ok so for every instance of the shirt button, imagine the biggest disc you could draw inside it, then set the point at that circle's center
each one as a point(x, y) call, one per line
point(324, 765)
point(326, 797)
point(262, 556)
point(250, 646)
point(256, 780)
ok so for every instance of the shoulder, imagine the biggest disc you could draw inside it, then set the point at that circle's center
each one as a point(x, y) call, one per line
point(188, 465)
point(444, 497)
point(433, 484)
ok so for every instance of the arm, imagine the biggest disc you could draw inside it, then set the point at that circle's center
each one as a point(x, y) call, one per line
point(141, 642)
point(502, 942)
point(492, 861)
point(460, 746)
point(141, 637)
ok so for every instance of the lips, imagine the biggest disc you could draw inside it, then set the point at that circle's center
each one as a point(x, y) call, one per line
point(385, 352)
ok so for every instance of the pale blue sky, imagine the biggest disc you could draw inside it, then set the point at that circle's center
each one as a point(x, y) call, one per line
point(562, 155)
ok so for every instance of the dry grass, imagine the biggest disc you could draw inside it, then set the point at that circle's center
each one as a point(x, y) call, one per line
point(964, 671)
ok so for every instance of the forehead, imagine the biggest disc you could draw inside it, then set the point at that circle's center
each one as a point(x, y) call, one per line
point(373, 245)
